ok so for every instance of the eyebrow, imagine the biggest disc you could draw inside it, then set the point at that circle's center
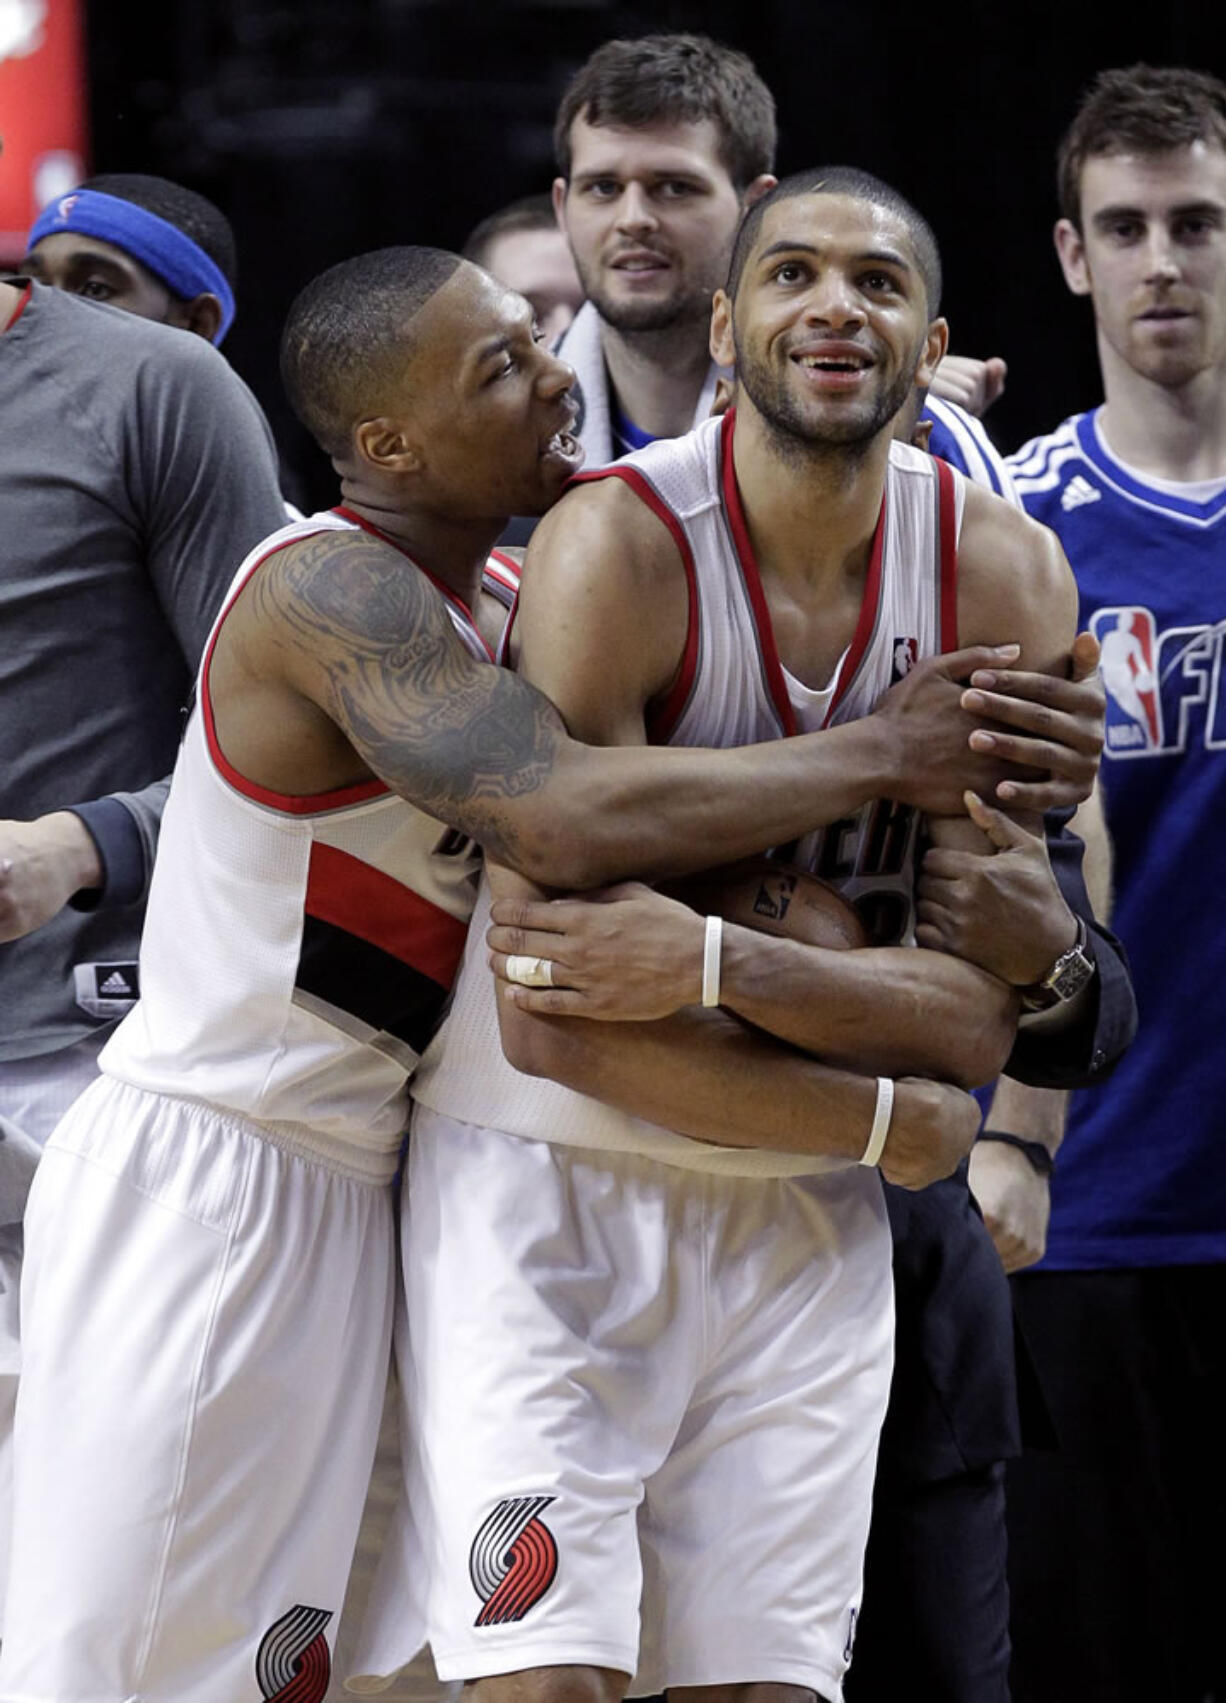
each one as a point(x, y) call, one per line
point(886, 256)
point(494, 346)
point(657, 174)
point(78, 260)
point(89, 260)
point(1121, 210)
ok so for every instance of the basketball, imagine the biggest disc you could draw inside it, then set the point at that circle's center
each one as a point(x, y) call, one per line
point(775, 898)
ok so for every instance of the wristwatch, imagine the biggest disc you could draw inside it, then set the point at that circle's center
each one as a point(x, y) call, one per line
point(1066, 978)
point(1039, 1156)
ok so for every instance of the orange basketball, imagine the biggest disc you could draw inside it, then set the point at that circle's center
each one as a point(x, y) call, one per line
point(775, 898)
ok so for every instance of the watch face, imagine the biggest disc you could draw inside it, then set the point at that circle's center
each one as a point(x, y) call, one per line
point(1071, 974)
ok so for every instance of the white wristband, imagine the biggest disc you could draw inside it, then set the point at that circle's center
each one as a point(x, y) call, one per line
point(711, 948)
point(881, 1121)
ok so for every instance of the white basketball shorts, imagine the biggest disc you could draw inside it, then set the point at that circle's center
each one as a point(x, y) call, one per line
point(205, 1326)
point(636, 1387)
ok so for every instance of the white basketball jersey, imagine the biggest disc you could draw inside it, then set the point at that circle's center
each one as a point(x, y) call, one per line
point(297, 951)
point(731, 689)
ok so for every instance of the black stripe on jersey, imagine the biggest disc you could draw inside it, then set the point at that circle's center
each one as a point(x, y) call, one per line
point(370, 984)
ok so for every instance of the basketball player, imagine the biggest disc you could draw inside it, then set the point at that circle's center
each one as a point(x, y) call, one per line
point(1124, 1314)
point(207, 1296)
point(643, 1368)
point(660, 143)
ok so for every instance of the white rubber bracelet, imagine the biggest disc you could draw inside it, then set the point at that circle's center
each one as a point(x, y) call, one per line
point(711, 948)
point(881, 1121)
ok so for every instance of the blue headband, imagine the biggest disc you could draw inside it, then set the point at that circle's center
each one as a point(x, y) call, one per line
point(180, 263)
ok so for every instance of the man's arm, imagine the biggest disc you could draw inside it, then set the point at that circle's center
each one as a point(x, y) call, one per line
point(706, 1075)
point(633, 955)
point(352, 630)
point(1075, 1049)
point(948, 1018)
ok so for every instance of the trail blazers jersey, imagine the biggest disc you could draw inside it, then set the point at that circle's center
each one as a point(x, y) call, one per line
point(297, 950)
point(731, 689)
point(1141, 1179)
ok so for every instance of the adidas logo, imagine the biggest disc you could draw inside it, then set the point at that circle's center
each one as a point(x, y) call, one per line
point(116, 983)
point(1077, 492)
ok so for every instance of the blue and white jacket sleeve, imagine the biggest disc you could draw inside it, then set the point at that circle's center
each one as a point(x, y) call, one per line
point(960, 439)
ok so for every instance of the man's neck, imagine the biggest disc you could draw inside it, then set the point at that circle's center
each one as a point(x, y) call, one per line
point(1170, 433)
point(453, 553)
point(657, 377)
point(811, 518)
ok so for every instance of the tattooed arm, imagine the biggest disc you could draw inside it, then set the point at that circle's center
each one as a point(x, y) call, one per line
point(343, 625)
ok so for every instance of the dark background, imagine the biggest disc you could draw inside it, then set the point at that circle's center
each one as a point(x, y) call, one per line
point(325, 127)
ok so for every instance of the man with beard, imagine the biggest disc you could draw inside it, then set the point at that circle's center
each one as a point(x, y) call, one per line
point(1125, 1312)
point(651, 1369)
point(662, 142)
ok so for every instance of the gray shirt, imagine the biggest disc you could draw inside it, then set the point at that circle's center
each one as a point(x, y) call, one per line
point(136, 471)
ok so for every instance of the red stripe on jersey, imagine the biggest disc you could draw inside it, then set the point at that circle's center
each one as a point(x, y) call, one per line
point(362, 900)
point(21, 306)
point(771, 665)
point(865, 623)
point(862, 637)
point(296, 804)
point(503, 658)
point(505, 569)
point(439, 585)
point(663, 716)
point(948, 512)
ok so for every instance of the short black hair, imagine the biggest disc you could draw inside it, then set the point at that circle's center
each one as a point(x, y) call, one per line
point(345, 326)
point(193, 214)
point(529, 213)
point(859, 186)
point(1144, 109)
point(674, 79)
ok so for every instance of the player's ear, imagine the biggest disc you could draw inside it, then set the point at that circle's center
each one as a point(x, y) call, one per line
point(936, 342)
point(558, 197)
point(761, 185)
point(723, 346)
point(386, 445)
point(921, 432)
point(202, 314)
point(1072, 252)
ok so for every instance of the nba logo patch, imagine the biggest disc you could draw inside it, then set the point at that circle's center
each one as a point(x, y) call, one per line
point(905, 655)
point(1129, 669)
point(64, 208)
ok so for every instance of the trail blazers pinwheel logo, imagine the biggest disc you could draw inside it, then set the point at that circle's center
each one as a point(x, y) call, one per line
point(513, 1560)
point(292, 1664)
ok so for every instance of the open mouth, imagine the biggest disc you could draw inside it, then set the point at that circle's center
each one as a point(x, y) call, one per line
point(639, 262)
point(831, 364)
point(833, 369)
point(564, 446)
point(836, 355)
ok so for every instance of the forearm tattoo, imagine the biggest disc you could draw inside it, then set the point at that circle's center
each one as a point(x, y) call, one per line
point(456, 736)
